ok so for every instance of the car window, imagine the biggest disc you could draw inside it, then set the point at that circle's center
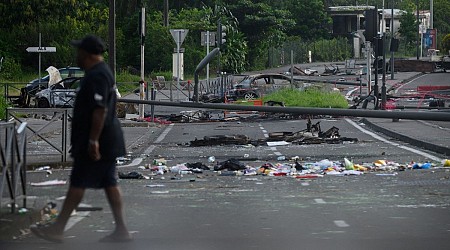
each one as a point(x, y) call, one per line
point(77, 73)
point(72, 83)
point(64, 73)
point(71, 72)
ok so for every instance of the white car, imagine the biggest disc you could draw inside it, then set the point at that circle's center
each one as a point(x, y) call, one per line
point(59, 95)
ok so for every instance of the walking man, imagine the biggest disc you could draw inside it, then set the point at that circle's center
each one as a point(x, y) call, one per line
point(97, 140)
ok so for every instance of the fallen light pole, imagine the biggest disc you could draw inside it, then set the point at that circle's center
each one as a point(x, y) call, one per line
point(411, 115)
point(208, 58)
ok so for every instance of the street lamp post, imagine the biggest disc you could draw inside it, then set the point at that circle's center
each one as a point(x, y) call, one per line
point(418, 30)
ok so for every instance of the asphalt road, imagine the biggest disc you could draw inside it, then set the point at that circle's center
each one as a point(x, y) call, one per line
point(407, 210)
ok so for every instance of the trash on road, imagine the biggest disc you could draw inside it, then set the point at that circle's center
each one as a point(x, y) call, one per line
point(132, 175)
point(48, 183)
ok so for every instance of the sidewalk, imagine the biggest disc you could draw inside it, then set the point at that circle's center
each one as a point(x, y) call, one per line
point(433, 136)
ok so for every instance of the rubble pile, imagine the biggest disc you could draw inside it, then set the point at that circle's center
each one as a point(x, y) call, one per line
point(313, 134)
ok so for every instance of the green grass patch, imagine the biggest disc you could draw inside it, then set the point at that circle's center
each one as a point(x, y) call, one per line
point(308, 98)
point(3, 105)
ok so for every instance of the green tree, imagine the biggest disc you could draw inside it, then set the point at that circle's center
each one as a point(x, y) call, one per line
point(311, 19)
point(262, 25)
point(442, 17)
point(408, 28)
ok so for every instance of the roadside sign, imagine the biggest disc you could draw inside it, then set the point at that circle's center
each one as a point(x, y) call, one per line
point(204, 39)
point(179, 35)
point(41, 49)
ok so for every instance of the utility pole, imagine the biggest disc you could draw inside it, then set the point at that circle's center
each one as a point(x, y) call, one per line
point(112, 37)
point(142, 81)
point(418, 31)
point(431, 14)
point(383, 84)
point(392, 39)
point(166, 13)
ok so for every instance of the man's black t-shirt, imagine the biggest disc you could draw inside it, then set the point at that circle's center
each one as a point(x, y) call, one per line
point(97, 89)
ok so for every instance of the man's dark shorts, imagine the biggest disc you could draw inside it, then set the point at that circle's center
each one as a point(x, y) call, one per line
point(93, 174)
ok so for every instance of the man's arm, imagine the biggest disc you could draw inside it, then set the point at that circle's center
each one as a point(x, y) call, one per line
point(98, 120)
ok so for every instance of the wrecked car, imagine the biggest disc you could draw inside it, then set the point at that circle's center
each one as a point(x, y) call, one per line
point(36, 85)
point(61, 94)
point(254, 86)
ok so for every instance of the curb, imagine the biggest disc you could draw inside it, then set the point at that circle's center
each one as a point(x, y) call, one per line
point(407, 139)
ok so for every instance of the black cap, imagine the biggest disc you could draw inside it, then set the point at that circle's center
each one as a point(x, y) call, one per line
point(91, 44)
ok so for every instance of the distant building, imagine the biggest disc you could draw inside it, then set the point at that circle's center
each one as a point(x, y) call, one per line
point(348, 20)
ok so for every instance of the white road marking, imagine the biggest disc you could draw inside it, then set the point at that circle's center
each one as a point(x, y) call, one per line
point(341, 223)
point(73, 220)
point(320, 201)
point(266, 135)
point(150, 149)
point(304, 183)
point(159, 139)
point(403, 85)
point(416, 151)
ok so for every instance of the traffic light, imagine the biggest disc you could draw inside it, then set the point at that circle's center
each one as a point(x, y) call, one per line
point(221, 33)
point(371, 24)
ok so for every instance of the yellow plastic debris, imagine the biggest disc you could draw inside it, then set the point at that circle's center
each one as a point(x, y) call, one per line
point(379, 163)
point(446, 163)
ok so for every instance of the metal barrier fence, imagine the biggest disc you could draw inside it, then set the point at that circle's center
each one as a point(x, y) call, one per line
point(13, 161)
point(58, 141)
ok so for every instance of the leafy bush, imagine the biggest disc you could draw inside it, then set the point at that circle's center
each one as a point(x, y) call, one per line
point(446, 44)
point(309, 98)
point(10, 69)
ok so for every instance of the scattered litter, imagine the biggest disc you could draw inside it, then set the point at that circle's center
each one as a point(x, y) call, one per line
point(446, 163)
point(422, 166)
point(308, 176)
point(132, 175)
point(277, 143)
point(43, 168)
point(231, 164)
point(348, 164)
point(154, 185)
point(160, 192)
point(48, 183)
point(281, 158)
point(387, 174)
point(23, 210)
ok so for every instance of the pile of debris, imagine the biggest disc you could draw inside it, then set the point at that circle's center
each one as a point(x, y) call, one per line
point(313, 134)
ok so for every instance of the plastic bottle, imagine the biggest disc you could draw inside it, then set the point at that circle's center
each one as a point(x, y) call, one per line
point(281, 158)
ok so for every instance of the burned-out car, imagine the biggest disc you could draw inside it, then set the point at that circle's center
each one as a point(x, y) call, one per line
point(61, 94)
point(254, 86)
point(28, 92)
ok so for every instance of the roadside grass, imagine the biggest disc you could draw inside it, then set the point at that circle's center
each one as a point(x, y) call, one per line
point(313, 98)
point(3, 105)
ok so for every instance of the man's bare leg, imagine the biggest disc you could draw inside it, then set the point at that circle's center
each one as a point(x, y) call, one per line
point(115, 201)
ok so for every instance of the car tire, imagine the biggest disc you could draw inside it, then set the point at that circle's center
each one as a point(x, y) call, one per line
point(43, 103)
point(250, 96)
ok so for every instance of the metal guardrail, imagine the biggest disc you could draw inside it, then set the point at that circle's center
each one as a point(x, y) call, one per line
point(13, 161)
point(56, 115)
